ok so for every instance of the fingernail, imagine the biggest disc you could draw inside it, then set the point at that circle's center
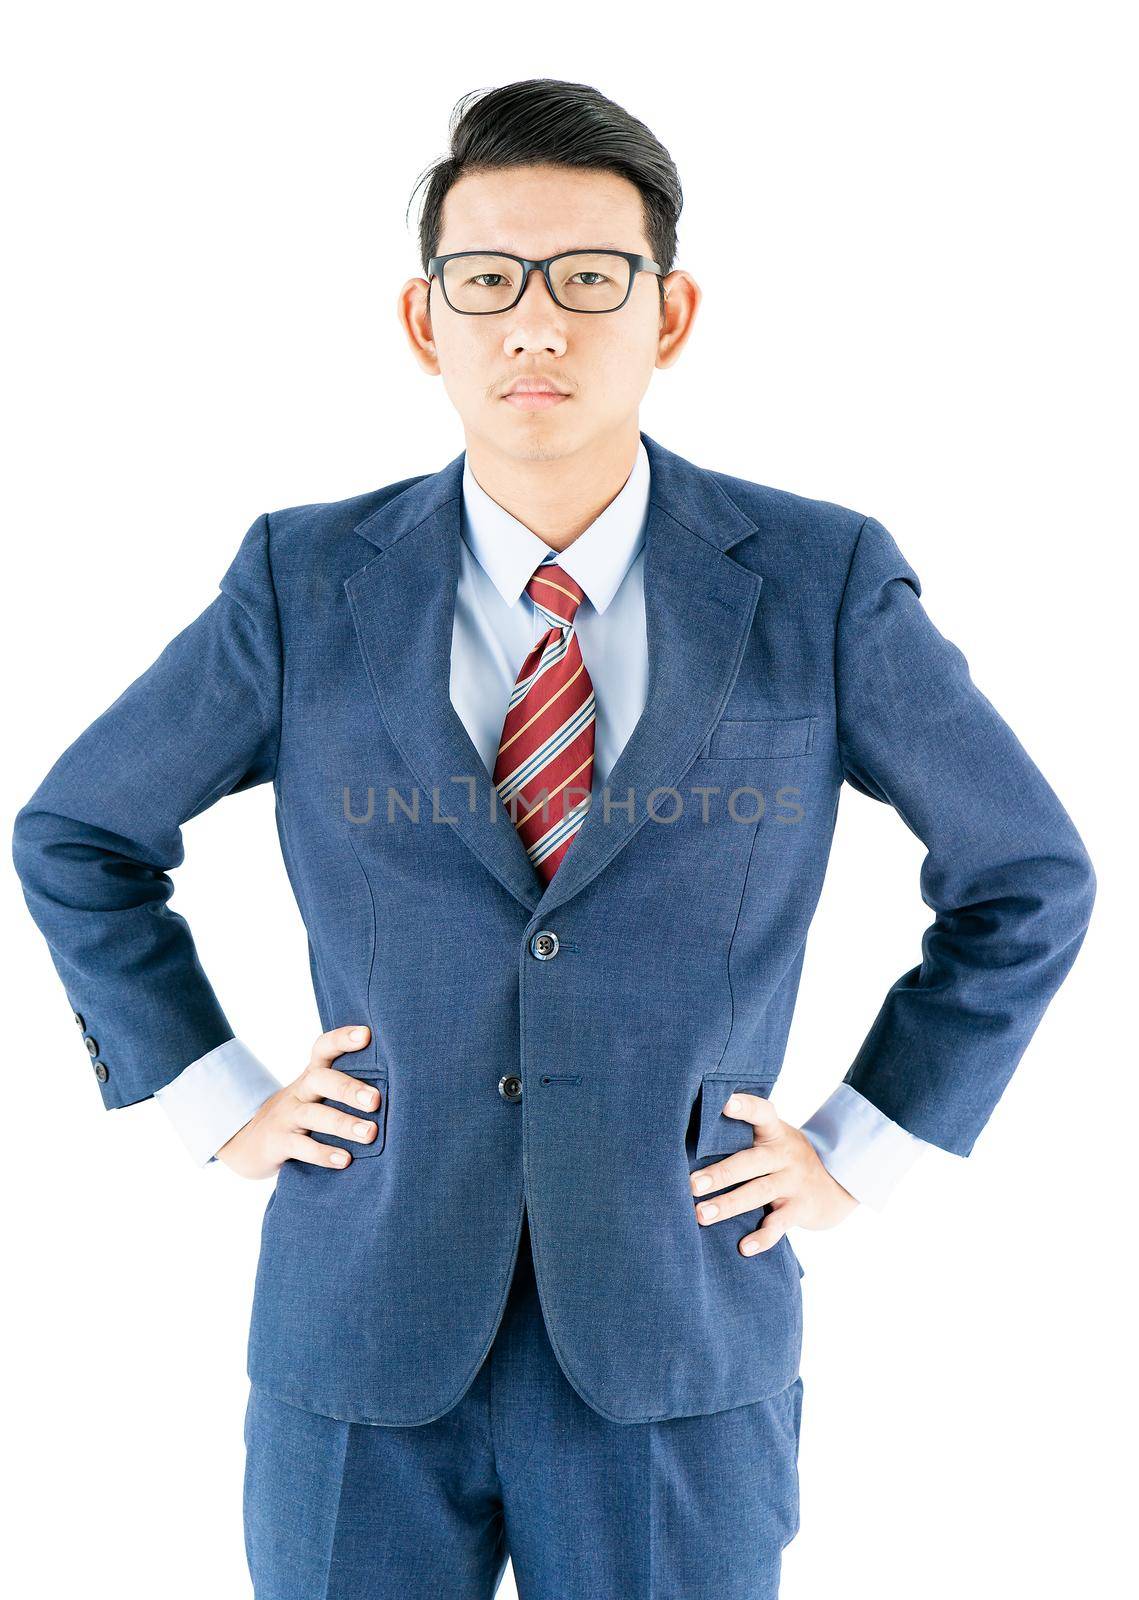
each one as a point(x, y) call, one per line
point(340, 1157)
point(355, 1034)
point(710, 1210)
point(699, 1185)
point(362, 1129)
point(750, 1249)
point(732, 1105)
point(364, 1096)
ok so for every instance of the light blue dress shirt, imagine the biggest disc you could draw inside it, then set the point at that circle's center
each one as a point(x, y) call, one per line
point(495, 625)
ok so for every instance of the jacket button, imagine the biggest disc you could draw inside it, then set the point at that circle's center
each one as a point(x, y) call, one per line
point(101, 1071)
point(544, 945)
point(510, 1087)
point(92, 1045)
point(78, 1015)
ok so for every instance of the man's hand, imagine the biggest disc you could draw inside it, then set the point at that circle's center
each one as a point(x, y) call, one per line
point(276, 1131)
point(784, 1172)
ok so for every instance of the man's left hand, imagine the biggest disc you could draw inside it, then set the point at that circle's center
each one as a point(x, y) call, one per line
point(781, 1170)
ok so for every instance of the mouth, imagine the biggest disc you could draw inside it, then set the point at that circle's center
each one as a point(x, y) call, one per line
point(534, 396)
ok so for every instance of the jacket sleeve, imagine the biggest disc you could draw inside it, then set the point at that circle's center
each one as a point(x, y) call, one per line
point(94, 844)
point(1005, 873)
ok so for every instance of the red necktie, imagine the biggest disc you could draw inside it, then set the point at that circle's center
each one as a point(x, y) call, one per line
point(544, 769)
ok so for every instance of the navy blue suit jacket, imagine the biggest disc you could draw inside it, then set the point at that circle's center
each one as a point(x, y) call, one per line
point(788, 652)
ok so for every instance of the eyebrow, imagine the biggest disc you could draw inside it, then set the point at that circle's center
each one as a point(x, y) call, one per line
point(510, 250)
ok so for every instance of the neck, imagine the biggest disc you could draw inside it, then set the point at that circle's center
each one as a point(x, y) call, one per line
point(556, 497)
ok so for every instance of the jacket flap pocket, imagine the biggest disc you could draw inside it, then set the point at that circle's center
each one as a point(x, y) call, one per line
point(772, 736)
point(720, 1135)
point(372, 1076)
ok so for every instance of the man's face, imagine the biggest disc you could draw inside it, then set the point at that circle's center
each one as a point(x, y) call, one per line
point(602, 362)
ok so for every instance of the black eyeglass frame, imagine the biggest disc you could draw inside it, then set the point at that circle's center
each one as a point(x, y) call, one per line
point(636, 264)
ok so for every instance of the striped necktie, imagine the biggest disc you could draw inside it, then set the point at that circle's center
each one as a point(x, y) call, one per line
point(544, 769)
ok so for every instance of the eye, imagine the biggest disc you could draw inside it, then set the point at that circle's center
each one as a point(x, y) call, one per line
point(589, 273)
point(484, 275)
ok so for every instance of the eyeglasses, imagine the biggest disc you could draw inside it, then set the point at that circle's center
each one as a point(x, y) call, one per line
point(478, 283)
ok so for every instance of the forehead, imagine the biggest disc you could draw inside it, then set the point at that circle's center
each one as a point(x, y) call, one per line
point(537, 211)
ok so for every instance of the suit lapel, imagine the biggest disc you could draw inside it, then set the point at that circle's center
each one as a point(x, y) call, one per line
point(699, 607)
point(403, 607)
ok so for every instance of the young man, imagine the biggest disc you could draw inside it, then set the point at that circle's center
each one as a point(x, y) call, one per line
point(557, 735)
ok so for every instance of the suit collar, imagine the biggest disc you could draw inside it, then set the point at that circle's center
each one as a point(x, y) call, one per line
point(691, 494)
point(699, 606)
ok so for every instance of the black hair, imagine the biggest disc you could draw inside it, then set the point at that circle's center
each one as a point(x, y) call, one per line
point(545, 121)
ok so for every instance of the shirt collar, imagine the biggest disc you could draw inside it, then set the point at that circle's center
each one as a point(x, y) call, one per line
point(598, 558)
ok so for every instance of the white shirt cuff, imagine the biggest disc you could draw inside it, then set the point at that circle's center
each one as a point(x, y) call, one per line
point(861, 1146)
point(215, 1096)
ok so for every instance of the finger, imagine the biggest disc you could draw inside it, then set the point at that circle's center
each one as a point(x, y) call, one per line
point(755, 1109)
point(326, 1119)
point(774, 1225)
point(302, 1148)
point(319, 1080)
point(751, 1163)
point(338, 1040)
point(329, 1083)
point(745, 1197)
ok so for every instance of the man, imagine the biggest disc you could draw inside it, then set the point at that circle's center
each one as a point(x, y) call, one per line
point(557, 735)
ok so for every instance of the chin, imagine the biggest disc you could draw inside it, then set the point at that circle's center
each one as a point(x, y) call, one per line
point(541, 450)
point(534, 436)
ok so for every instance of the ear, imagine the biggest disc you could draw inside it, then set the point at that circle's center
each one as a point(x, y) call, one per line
point(414, 312)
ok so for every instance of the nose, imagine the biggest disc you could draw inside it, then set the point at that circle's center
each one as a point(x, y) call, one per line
point(537, 321)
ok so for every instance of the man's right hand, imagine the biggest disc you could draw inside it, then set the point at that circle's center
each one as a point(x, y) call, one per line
point(277, 1131)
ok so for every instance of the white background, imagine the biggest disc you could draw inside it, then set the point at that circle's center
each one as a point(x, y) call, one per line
point(207, 236)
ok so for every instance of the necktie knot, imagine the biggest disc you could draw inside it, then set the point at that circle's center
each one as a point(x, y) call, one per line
point(544, 770)
point(555, 593)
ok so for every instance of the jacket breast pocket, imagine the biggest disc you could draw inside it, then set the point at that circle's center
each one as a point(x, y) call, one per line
point(720, 1135)
point(768, 736)
point(378, 1078)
